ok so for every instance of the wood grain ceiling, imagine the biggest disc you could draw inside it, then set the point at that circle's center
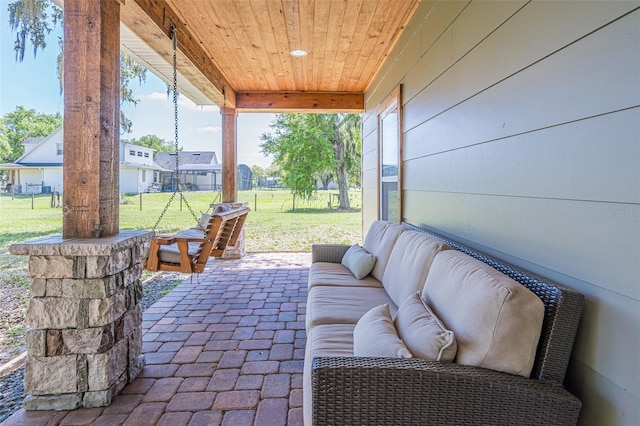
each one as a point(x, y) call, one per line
point(244, 45)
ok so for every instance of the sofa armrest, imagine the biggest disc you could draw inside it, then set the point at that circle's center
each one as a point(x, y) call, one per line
point(357, 390)
point(331, 253)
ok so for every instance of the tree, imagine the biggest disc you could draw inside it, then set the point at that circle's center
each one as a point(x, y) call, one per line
point(30, 18)
point(5, 148)
point(24, 123)
point(154, 142)
point(308, 147)
point(346, 148)
point(33, 20)
point(258, 174)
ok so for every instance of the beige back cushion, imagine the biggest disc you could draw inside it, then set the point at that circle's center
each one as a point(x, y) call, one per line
point(496, 320)
point(379, 241)
point(409, 264)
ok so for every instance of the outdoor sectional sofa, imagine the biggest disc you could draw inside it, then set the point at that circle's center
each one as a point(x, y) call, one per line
point(437, 333)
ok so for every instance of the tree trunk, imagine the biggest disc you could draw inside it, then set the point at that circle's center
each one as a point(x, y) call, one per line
point(341, 175)
point(325, 179)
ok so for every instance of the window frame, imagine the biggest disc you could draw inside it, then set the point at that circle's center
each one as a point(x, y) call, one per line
point(392, 103)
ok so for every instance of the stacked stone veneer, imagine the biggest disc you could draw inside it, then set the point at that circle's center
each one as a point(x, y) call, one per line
point(237, 251)
point(85, 338)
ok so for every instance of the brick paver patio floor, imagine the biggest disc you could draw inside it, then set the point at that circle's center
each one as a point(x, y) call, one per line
point(228, 350)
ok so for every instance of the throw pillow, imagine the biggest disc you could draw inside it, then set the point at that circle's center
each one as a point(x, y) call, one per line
point(203, 222)
point(422, 332)
point(358, 261)
point(375, 335)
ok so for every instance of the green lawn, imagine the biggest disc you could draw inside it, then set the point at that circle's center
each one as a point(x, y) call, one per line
point(272, 225)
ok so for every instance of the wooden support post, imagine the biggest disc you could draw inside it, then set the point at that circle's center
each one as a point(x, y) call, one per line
point(229, 155)
point(91, 118)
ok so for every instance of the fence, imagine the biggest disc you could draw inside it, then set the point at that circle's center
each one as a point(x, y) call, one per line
point(261, 200)
point(283, 200)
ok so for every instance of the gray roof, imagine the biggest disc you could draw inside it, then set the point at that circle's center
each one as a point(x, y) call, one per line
point(188, 160)
point(32, 141)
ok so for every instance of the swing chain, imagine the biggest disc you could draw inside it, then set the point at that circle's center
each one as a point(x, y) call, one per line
point(176, 189)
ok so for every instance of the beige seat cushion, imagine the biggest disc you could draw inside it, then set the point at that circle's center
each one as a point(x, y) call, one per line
point(335, 274)
point(343, 305)
point(171, 254)
point(496, 321)
point(323, 340)
point(409, 264)
point(375, 335)
point(379, 241)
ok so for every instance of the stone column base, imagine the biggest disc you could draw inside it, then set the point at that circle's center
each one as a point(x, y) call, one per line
point(85, 338)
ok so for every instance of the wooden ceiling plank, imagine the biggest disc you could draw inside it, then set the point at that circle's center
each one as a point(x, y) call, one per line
point(223, 38)
point(363, 22)
point(214, 30)
point(248, 41)
point(269, 44)
point(344, 43)
point(279, 28)
point(318, 102)
point(336, 22)
point(249, 37)
point(371, 41)
point(291, 12)
point(163, 16)
point(320, 28)
point(394, 26)
point(307, 19)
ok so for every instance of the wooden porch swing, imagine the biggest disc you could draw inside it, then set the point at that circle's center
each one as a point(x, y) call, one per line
point(189, 250)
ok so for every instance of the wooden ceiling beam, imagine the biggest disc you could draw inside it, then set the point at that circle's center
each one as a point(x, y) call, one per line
point(320, 102)
point(151, 21)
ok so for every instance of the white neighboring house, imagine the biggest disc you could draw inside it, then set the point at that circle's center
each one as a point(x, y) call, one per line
point(39, 169)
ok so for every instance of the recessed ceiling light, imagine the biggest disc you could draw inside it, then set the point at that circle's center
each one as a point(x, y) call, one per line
point(298, 53)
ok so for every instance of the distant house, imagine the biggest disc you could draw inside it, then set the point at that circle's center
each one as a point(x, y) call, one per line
point(198, 170)
point(39, 169)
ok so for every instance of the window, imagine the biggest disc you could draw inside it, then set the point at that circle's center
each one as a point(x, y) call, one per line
point(59, 149)
point(139, 153)
point(390, 133)
point(132, 152)
point(146, 155)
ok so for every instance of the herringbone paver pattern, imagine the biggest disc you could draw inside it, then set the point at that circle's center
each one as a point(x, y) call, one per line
point(228, 350)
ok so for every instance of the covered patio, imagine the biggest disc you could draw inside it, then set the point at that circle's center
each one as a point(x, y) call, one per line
point(512, 126)
point(227, 350)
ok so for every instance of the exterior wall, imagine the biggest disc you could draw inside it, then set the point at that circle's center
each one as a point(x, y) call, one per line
point(521, 137)
point(53, 178)
point(136, 154)
point(30, 181)
point(131, 181)
point(46, 152)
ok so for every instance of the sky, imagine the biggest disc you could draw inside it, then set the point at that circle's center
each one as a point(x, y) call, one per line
point(33, 84)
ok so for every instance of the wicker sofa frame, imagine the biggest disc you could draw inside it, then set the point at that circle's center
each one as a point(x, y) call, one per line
point(388, 391)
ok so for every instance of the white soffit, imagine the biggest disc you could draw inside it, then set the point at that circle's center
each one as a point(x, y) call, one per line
point(148, 58)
